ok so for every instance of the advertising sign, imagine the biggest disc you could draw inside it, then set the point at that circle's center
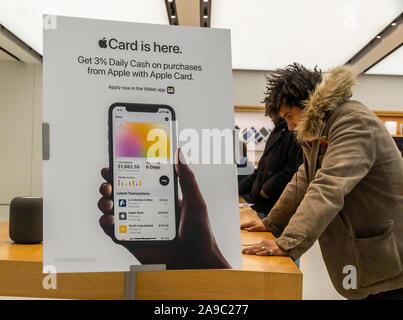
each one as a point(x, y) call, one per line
point(141, 167)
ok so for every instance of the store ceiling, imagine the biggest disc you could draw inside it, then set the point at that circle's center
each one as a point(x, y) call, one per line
point(24, 17)
point(265, 34)
point(4, 56)
point(271, 34)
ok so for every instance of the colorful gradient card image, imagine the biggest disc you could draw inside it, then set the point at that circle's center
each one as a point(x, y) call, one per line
point(142, 140)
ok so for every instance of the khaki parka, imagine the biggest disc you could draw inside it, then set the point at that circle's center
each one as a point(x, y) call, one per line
point(348, 193)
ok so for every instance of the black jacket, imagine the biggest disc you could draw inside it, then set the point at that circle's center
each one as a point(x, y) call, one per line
point(280, 160)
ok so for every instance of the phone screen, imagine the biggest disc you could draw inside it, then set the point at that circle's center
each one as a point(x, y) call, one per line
point(144, 185)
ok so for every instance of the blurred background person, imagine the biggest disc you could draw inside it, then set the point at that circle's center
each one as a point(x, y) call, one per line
point(245, 167)
point(281, 157)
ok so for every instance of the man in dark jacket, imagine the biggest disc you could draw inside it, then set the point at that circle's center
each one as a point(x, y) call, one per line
point(281, 158)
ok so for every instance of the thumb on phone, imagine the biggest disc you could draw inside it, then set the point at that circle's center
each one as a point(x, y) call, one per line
point(187, 181)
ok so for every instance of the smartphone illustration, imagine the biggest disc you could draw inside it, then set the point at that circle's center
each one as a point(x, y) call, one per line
point(142, 146)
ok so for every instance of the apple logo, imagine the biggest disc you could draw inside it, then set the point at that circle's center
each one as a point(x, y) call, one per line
point(102, 43)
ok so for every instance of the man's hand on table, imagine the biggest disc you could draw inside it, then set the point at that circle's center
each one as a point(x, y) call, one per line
point(265, 248)
point(254, 225)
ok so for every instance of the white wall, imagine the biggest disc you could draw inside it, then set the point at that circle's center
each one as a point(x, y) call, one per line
point(380, 92)
point(249, 87)
point(20, 132)
point(377, 92)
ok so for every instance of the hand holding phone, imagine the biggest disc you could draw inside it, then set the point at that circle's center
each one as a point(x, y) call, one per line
point(195, 246)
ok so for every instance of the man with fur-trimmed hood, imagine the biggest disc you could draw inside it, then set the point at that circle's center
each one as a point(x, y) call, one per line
point(348, 193)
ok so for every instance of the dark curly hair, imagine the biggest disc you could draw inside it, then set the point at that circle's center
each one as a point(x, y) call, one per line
point(289, 86)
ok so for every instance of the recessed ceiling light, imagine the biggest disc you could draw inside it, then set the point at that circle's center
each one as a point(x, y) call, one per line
point(170, 0)
point(378, 37)
point(394, 23)
point(205, 0)
point(205, 17)
point(173, 17)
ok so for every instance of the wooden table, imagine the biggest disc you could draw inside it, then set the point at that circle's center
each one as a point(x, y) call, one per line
point(261, 277)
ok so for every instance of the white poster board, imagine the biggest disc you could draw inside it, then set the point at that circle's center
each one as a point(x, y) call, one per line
point(89, 65)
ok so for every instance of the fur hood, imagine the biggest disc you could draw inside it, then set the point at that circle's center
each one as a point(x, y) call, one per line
point(333, 90)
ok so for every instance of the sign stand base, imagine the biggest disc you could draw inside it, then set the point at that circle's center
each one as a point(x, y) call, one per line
point(131, 278)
